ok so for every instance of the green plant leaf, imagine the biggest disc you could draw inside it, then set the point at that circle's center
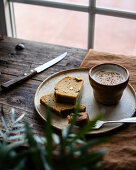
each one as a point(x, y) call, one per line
point(18, 125)
point(73, 122)
point(19, 118)
point(89, 161)
point(64, 132)
point(2, 134)
point(67, 131)
point(16, 137)
point(83, 131)
point(4, 120)
point(20, 165)
point(14, 145)
point(71, 150)
point(34, 148)
point(29, 136)
point(38, 139)
point(91, 143)
point(56, 139)
point(43, 157)
point(49, 139)
point(13, 115)
point(18, 130)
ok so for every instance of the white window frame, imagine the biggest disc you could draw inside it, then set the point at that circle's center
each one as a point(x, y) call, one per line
point(7, 19)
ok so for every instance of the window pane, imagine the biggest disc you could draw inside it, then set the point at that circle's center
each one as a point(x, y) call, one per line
point(128, 5)
point(80, 2)
point(115, 34)
point(51, 25)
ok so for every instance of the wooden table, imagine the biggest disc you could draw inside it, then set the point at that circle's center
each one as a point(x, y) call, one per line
point(14, 63)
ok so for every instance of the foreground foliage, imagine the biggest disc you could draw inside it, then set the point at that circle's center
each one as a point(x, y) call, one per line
point(69, 151)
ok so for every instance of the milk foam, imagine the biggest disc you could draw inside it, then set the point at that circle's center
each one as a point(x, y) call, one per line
point(108, 77)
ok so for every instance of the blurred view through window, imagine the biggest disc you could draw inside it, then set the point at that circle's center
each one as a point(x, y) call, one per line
point(70, 28)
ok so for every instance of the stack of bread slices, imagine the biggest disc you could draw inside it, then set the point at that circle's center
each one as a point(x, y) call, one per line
point(64, 99)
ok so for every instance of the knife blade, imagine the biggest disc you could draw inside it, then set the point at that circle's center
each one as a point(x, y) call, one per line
point(25, 76)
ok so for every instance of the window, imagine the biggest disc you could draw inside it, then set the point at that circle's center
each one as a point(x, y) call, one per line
point(56, 26)
point(94, 18)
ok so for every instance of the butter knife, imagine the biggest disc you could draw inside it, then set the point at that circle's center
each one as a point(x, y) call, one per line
point(25, 76)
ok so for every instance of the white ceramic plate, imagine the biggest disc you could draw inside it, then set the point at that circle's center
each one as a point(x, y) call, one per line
point(124, 109)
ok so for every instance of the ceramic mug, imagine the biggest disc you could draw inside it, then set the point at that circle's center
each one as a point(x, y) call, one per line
point(108, 81)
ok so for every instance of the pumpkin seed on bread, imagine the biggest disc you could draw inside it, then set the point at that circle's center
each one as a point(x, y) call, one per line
point(68, 89)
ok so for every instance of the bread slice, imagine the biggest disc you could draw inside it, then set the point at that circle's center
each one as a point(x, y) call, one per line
point(63, 110)
point(67, 90)
point(82, 119)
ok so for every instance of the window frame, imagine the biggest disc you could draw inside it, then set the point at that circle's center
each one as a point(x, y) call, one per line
point(7, 21)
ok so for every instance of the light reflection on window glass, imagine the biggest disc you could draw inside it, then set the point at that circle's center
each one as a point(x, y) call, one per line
point(50, 25)
point(127, 5)
point(115, 34)
point(80, 2)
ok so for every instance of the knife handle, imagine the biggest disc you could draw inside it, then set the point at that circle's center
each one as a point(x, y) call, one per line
point(17, 80)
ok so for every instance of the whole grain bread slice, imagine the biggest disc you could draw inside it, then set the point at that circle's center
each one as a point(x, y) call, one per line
point(61, 109)
point(68, 89)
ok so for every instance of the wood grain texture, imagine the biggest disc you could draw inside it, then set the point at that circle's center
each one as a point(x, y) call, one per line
point(14, 63)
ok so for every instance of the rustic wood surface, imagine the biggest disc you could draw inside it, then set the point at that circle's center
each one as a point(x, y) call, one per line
point(14, 63)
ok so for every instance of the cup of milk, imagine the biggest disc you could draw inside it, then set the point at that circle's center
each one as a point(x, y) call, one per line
point(108, 81)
